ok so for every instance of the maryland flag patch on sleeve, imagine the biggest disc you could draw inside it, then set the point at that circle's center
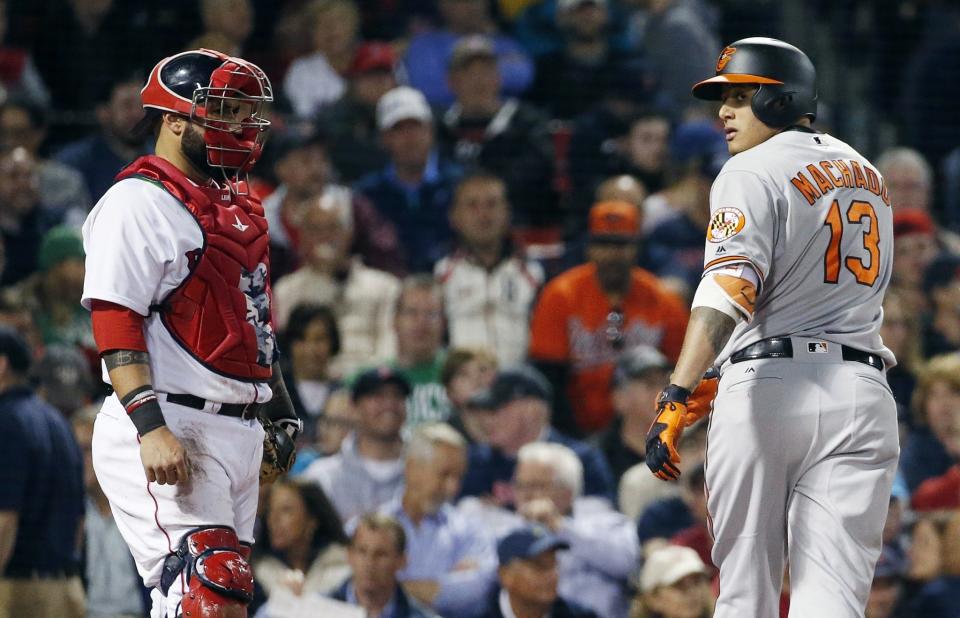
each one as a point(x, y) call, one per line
point(725, 223)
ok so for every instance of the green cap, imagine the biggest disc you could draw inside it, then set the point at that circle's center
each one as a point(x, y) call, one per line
point(58, 245)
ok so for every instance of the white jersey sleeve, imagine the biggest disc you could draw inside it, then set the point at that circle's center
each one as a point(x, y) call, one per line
point(136, 239)
point(743, 223)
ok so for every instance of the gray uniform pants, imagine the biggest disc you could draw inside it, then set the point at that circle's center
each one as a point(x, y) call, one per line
point(801, 456)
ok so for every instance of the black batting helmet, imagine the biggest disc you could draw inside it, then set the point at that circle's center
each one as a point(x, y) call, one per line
point(785, 76)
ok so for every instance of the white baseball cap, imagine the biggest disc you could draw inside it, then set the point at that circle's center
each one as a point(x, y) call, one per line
point(402, 103)
point(668, 565)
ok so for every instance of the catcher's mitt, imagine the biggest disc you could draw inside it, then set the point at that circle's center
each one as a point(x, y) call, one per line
point(279, 450)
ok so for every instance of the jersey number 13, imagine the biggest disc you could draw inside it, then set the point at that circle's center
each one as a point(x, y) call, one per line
point(865, 273)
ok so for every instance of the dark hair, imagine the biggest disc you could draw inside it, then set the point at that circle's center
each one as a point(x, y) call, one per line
point(300, 319)
point(379, 521)
point(318, 506)
point(16, 350)
point(476, 174)
point(36, 113)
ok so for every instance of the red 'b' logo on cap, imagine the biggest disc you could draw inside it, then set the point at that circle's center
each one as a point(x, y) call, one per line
point(725, 56)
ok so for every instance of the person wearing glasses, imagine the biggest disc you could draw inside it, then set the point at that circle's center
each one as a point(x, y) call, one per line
point(591, 313)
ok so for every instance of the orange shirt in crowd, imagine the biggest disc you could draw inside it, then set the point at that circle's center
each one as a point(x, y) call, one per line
point(572, 324)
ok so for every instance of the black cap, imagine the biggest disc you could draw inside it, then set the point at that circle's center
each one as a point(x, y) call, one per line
point(528, 542)
point(944, 269)
point(512, 383)
point(16, 349)
point(370, 381)
point(637, 362)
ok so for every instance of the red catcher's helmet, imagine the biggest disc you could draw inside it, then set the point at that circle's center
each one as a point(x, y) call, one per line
point(223, 94)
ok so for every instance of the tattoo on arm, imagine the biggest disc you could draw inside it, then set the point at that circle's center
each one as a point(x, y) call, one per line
point(717, 326)
point(122, 358)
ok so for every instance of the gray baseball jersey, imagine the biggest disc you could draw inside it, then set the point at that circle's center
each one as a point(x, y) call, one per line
point(813, 218)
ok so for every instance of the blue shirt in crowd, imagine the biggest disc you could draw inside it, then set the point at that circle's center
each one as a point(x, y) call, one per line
point(41, 478)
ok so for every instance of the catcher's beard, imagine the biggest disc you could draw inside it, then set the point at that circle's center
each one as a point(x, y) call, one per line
point(195, 149)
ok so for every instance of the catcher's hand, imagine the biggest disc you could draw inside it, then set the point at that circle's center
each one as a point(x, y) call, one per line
point(662, 457)
point(279, 450)
point(700, 402)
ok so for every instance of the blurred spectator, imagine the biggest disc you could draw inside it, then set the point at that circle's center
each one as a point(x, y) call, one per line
point(302, 165)
point(936, 401)
point(666, 517)
point(19, 76)
point(587, 58)
point(886, 591)
point(56, 186)
point(673, 584)
point(517, 406)
point(351, 122)
point(604, 550)
point(428, 56)
point(418, 323)
point(914, 248)
point(368, 470)
point(907, 176)
point(338, 420)
point(24, 218)
point(113, 588)
point(362, 298)
point(414, 190)
point(639, 375)
point(309, 343)
point(488, 287)
point(626, 188)
point(941, 595)
point(315, 80)
point(101, 156)
point(941, 284)
point(616, 138)
point(41, 496)
point(302, 546)
point(900, 332)
point(638, 488)
point(63, 378)
point(529, 578)
point(674, 248)
point(52, 292)
point(15, 314)
point(943, 414)
point(501, 135)
point(450, 564)
point(588, 315)
point(377, 553)
point(680, 39)
point(466, 372)
point(227, 25)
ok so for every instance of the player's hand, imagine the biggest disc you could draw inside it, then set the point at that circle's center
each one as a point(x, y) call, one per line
point(662, 456)
point(163, 457)
point(700, 402)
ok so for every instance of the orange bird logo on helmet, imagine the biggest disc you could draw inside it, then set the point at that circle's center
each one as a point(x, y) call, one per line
point(725, 56)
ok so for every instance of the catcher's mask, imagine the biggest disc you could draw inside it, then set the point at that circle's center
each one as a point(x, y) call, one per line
point(223, 94)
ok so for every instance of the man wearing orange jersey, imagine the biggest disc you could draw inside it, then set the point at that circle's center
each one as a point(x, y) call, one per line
point(591, 313)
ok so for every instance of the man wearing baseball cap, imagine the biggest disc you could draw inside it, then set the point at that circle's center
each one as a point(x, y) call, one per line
point(587, 316)
point(528, 577)
point(415, 188)
point(368, 470)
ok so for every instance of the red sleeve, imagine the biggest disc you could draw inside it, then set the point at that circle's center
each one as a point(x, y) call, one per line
point(116, 327)
point(938, 493)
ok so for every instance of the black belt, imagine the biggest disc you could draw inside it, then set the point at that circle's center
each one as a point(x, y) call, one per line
point(245, 411)
point(782, 347)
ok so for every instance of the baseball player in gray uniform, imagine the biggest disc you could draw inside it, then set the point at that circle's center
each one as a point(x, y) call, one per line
point(802, 442)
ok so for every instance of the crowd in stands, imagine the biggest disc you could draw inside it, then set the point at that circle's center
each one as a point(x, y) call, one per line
point(487, 223)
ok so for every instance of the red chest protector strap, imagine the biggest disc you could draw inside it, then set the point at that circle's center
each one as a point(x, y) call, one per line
point(220, 313)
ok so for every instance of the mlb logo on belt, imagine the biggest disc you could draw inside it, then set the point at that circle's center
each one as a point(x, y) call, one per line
point(817, 347)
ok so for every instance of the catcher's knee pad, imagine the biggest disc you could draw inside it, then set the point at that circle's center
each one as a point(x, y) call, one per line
point(219, 580)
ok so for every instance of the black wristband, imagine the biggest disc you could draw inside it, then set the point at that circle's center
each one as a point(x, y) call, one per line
point(147, 417)
point(675, 393)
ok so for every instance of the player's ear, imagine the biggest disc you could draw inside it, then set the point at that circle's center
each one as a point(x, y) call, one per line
point(176, 123)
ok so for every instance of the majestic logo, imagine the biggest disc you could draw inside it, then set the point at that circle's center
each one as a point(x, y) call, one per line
point(725, 57)
point(817, 347)
point(724, 223)
point(239, 224)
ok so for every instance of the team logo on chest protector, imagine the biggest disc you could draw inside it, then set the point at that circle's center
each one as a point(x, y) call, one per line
point(724, 223)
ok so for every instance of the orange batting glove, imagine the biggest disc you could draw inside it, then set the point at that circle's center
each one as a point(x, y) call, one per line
point(664, 434)
point(700, 402)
